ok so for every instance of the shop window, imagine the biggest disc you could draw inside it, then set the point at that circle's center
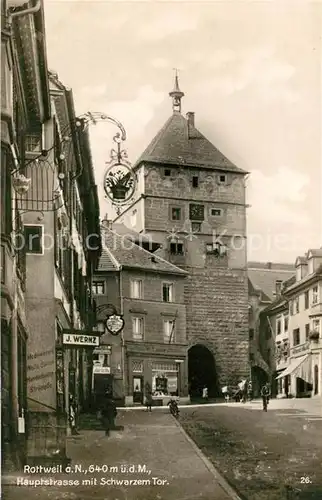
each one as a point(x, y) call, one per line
point(161, 385)
point(167, 292)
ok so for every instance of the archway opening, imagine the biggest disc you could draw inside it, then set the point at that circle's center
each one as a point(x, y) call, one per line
point(260, 378)
point(201, 372)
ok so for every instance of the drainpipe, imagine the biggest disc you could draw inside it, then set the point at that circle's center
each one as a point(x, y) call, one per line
point(122, 336)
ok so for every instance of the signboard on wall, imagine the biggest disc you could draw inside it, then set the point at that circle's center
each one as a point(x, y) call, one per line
point(101, 370)
point(74, 339)
point(41, 383)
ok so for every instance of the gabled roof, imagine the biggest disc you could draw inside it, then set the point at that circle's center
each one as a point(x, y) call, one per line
point(179, 144)
point(264, 276)
point(121, 252)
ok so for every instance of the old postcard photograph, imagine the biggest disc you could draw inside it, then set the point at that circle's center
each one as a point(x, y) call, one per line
point(161, 250)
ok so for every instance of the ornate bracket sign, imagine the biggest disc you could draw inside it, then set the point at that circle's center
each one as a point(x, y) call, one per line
point(114, 324)
point(119, 179)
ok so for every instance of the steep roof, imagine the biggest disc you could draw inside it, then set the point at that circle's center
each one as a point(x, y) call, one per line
point(121, 252)
point(263, 276)
point(181, 144)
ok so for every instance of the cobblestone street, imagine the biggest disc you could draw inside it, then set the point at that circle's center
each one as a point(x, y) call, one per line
point(275, 455)
point(154, 440)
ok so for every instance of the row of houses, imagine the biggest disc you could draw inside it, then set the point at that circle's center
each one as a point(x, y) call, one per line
point(49, 206)
point(286, 325)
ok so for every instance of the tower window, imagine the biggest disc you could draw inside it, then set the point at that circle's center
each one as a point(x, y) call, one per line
point(167, 172)
point(216, 212)
point(222, 179)
point(195, 182)
point(175, 213)
point(176, 248)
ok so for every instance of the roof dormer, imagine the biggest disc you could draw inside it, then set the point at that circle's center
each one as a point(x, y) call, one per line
point(301, 266)
point(314, 260)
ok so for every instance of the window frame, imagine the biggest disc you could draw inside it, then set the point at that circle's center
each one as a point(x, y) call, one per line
point(286, 322)
point(220, 210)
point(222, 181)
point(138, 335)
point(140, 281)
point(307, 331)
point(315, 295)
point(173, 208)
point(306, 299)
point(175, 244)
point(171, 287)
point(171, 329)
point(95, 287)
point(317, 329)
point(195, 181)
point(296, 331)
point(279, 324)
point(41, 239)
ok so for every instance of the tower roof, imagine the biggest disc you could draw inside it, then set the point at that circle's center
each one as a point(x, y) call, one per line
point(180, 143)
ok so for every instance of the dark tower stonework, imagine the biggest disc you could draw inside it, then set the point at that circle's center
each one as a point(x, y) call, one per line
point(192, 201)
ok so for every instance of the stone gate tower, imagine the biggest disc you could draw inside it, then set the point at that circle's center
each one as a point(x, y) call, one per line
point(192, 201)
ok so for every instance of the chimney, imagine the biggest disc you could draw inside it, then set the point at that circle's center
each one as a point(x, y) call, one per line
point(191, 119)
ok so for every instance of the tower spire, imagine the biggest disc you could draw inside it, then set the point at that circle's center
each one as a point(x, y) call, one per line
point(176, 94)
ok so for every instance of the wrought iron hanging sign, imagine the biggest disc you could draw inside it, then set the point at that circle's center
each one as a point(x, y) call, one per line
point(119, 178)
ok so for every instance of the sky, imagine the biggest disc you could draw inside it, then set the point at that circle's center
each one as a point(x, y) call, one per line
point(251, 72)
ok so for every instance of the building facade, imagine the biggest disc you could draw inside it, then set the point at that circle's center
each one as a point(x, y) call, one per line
point(305, 319)
point(265, 282)
point(25, 107)
point(151, 353)
point(61, 211)
point(191, 200)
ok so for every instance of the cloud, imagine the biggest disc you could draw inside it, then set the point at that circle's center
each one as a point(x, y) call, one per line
point(166, 25)
point(160, 62)
point(278, 197)
point(259, 68)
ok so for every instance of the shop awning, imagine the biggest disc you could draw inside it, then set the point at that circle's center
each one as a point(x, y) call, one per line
point(300, 365)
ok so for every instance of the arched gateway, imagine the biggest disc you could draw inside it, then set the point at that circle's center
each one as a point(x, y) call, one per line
point(201, 371)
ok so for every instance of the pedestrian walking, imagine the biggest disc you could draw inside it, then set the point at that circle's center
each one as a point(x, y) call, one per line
point(265, 393)
point(73, 415)
point(205, 393)
point(108, 413)
point(250, 391)
point(245, 391)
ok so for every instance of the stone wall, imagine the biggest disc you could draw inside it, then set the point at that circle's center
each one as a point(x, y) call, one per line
point(216, 291)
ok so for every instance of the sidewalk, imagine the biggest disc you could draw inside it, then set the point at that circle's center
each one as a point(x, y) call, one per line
point(171, 466)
